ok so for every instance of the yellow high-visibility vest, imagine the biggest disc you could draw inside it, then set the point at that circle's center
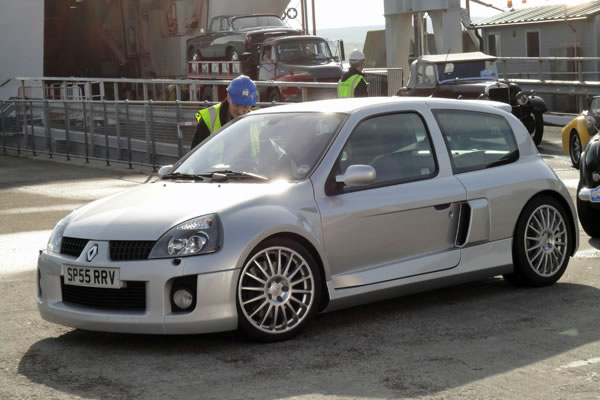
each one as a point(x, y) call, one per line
point(346, 88)
point(211, 117)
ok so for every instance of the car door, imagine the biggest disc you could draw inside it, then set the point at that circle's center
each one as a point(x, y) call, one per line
point(405, 223)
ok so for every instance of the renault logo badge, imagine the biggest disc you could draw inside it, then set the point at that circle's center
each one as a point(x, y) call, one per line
point(92, 253)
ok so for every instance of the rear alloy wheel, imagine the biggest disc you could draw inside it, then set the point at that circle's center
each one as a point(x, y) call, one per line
point(575, 149)
point(278, 292)
point(589, 217)
point(541, 244)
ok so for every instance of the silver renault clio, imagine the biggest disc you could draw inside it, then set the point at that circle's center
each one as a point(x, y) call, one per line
point(301, 208)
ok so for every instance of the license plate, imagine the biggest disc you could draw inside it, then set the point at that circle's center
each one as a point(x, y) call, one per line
point(595, 195)
point(97, 277)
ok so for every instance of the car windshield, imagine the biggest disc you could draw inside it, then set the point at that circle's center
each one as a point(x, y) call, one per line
point(272, 146)
point(304, 51)
point(480, 69)
point(256, 21)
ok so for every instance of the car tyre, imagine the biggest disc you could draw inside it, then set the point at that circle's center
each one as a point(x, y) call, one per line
point(278, 291)
point(589, 217)
point(542, 243)
point(537, 126)
point(575, 149)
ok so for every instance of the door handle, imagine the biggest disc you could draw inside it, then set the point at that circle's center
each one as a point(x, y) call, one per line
point(441, 207)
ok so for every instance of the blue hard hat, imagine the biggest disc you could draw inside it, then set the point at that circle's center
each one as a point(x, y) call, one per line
point(242, 91)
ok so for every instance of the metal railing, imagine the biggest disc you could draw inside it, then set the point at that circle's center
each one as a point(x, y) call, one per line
point(132, 121)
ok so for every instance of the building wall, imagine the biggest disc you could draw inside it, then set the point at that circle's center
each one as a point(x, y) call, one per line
point(21, 42)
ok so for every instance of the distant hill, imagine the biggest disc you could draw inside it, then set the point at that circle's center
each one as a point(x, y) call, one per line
point(353, 37)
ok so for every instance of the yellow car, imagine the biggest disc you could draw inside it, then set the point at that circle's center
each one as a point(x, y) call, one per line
point(579, 131)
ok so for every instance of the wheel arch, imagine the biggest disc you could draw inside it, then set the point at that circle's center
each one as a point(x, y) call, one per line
point(313, 251)
point(566, 206)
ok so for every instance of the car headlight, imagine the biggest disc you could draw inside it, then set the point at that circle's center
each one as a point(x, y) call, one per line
point(56, 237)
point(522, 98)
point(196, 236)
point(589, 121)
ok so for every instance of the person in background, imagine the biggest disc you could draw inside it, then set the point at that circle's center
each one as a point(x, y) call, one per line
point(241, 97)
point(353, 83)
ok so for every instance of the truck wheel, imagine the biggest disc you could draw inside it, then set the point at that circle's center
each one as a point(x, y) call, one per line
point(275, 96)
point(535, 126)
point(206, 94)
point(232, 55)
point(195, 55)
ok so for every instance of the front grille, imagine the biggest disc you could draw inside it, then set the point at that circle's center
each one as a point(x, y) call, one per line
point(499, 94)
point(72, 246)
point(130, 298)
point(128, 250)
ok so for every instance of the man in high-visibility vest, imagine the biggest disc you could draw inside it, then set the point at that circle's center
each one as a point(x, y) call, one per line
point(241, 97)
point(353, 83)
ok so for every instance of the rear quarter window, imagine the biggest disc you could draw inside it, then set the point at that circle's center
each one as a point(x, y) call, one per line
point(476, 140)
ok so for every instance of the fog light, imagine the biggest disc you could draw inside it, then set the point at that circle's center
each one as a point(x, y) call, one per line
point(183, 298)
point(522, 98)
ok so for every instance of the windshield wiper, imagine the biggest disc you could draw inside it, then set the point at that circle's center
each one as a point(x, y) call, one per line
point(227, 174)
point(505, 159)
point(179, 175)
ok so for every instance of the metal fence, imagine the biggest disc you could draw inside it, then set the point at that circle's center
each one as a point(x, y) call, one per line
point(137, 122)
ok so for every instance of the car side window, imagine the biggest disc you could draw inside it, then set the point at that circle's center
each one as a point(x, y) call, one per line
point(595, 107)
point(425, 76)
point(397, 146)
point(477, 140)
point(215, 24)
point(267, 53)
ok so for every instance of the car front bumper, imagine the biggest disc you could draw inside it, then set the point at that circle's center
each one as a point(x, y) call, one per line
point(591, 195)
point(215, 309)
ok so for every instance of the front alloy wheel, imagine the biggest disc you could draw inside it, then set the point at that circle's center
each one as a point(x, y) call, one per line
point(279, 291)
point(541, 244)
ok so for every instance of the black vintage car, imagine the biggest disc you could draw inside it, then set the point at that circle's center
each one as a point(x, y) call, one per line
point(228, 37)
point(473, 76)
point(588, 190)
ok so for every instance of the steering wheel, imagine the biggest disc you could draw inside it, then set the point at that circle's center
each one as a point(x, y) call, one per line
point(245, 165)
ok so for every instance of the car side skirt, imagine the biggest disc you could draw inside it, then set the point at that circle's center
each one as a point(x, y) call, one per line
point(477, 262)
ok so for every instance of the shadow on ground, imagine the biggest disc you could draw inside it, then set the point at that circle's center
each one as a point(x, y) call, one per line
point(407, 347)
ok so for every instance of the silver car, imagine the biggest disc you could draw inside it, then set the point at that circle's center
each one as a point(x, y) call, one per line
point(315, 206)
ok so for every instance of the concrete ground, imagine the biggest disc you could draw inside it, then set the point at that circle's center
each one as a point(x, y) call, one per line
point(485, 340)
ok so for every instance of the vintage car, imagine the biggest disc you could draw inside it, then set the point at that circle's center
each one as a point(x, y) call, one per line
point(473, 76)
point(294, 209)
point(580, 130)
point(297, 59)
point(228, 37)
point(588, 190)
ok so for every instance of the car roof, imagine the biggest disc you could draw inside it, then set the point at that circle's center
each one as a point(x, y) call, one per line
point(350, 105)
point(278, 39)
point(456, 57)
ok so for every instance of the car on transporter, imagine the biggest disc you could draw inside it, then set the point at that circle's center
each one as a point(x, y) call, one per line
point(474, 75)
point(300, 208)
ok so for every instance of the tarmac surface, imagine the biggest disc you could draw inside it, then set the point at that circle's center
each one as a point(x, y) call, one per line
point(485, 340)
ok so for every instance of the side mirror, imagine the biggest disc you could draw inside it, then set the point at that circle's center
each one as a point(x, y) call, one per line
point(357, 175)
point(165, 169)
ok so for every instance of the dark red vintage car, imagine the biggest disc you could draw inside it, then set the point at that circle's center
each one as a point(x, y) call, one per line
point(473, 76)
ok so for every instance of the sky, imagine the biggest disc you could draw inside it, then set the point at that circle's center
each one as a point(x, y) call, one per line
point(345, 13)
